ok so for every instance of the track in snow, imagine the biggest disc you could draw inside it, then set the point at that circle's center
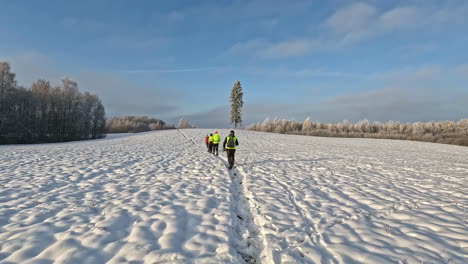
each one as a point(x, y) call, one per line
point(248, 245)
point(244, 219)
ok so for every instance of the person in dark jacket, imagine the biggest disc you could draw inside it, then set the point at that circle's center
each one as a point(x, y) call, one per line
point(230, 144)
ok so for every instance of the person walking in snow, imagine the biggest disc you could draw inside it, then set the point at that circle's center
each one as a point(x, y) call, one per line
point(216, 140)
point(210, 143)
point(230, 144)
point(207, 143)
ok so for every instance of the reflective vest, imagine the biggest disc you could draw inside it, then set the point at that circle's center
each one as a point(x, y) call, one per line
point(227, 141)
point(210, 139)
point(216, 139)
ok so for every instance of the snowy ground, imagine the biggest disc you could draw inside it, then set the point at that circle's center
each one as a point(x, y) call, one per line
point(158, 197)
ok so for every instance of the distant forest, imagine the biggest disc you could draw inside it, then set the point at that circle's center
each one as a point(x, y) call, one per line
point(135, 124)
point(46, 113)
point(447, 132)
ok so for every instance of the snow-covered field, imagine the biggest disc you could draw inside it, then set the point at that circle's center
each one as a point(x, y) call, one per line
point(159, 197)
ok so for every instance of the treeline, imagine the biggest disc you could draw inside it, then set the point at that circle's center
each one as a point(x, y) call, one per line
point(447, 132)
point(46, 113)
point(135, 124)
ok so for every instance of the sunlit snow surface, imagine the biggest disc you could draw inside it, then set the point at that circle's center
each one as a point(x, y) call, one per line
point(159, 197)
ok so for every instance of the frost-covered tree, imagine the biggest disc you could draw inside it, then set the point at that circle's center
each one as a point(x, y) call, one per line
point(236, 104)
point(135, 124)
point(41, 92)
point(306, 125)
point(70, 109)
point(463, 124)
point(47, 114)
point(7, 80)
point(7, 85)
point(266, 125)
point(363, 126)
point(345, 126)
point(99, 120)
point(183, 123)
point(441, 132)
point(418, 129)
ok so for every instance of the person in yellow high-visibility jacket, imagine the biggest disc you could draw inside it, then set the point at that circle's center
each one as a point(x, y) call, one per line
point(210, 143)
point(230, 144)
point(216, 141)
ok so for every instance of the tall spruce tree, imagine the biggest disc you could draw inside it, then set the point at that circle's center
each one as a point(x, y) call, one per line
point(236, 104)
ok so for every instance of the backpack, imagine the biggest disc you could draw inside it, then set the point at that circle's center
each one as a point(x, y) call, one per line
point(231, 143)
point(206, 139)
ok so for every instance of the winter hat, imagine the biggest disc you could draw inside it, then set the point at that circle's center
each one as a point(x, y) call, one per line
point(232, 132)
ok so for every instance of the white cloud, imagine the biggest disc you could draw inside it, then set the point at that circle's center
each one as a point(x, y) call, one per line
point(84, 25)
point(272, 22)
point(259, 48)
point(428, 92)
point(289, 48)
point(454, 12)
point(175, 16)
point(463, 70)
point(354, 23)
point(247, 47)
point(301, 72)
point(420, 73)
point(352, 18)
point(418, 49)
point(400, 17)
point(359, 21)
point(135, 42)
point(173, 70)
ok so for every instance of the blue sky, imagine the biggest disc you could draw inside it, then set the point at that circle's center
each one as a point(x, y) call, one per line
point(330, 60)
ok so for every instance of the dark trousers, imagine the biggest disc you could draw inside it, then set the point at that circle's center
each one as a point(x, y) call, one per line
point(230, 157)
point(210, 147)
point(215, 149)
